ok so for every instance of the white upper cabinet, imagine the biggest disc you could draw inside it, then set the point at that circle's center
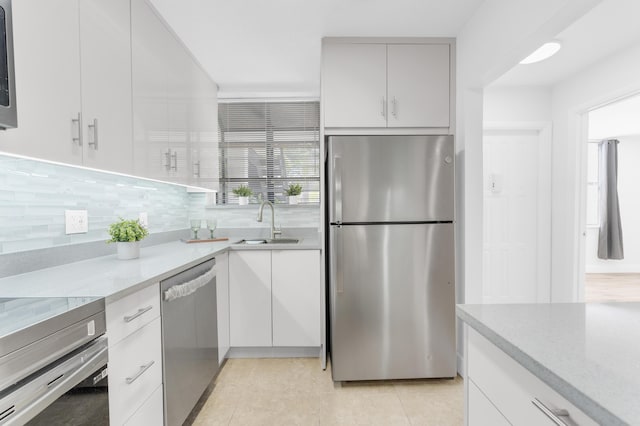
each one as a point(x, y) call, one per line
point(387, 84)
point(354, 80)
point(105, 57)
point(418, 85)
point(47, 66)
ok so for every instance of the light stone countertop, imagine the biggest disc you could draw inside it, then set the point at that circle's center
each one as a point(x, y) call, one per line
point(588, 353)
point(108, 277)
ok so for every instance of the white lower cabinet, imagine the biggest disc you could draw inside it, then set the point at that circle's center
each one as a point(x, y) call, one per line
point(222, 296)
point(135, 358)
point(295, 297)
point(510, 389)
point(151, 412)
point(274, 298)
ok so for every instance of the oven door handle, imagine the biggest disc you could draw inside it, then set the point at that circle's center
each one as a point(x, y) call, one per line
point(74, 370)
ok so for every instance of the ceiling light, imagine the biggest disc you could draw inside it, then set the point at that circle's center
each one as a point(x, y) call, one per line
point(545, 51)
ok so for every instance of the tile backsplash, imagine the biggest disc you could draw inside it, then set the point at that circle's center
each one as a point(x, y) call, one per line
point(34, 196)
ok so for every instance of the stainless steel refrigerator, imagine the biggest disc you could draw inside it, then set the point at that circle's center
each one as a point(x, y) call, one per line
point(391, 250)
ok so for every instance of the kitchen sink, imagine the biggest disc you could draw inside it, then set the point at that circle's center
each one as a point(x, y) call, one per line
point(273, 241)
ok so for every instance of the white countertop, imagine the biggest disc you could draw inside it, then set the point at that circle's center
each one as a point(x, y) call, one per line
point(108, 277)
point(588, 353)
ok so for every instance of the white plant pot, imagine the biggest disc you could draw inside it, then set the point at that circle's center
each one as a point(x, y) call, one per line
point(128, 251)
point(243, 201)
point(293, 199)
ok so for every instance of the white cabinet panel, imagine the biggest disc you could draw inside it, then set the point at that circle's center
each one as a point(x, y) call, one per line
point(132, 312)
point(354, 85)
point(105, 53)
point(481, 411)
point(151, 412)
point(47, 65)
point(135, 371)
point(296, 297)
point(418, 85)
point(250, 298)
point(511, 388)
point(222, 295)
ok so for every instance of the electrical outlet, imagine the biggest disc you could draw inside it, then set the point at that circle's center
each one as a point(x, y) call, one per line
point(76, 221)
point(143, 218)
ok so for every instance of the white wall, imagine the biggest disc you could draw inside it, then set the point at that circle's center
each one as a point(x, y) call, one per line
point(629, 198)
point(613, 78)
point(517, 105)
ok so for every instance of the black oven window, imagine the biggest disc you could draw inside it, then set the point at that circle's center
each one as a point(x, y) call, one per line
point(4, 67)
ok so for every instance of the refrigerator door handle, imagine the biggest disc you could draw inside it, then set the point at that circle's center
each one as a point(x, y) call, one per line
point(337, 202)
point(336, 253)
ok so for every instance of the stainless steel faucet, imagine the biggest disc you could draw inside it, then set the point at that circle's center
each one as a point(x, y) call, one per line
point(274, 231)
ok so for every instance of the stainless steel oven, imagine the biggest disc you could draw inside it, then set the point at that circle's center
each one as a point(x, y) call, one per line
point(53, 362)
point(8, 112)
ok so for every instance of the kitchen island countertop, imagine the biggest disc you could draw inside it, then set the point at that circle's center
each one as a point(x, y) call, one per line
point(588, 353)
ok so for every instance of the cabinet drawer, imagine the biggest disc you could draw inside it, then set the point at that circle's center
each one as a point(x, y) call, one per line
point(151, 413)
point(511, 388)
point(481, 410)
point(135, 371)
point(130, 313)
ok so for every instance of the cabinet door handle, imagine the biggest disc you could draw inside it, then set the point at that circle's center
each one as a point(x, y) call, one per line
point(554, 413)
point(394, 107)
point(174, 161)
point(141, 311)
point(167, 159)
point(94, 129)
point(78, 121)
point(383, 110)
point(143, 368)
point(196, 169)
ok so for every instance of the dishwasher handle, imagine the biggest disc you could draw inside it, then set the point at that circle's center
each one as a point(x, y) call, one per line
point(182, 290)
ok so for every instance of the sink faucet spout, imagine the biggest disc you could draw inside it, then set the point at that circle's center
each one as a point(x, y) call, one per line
point(274, 231)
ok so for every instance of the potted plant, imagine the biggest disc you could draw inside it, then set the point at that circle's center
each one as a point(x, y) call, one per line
point(293, 192)
point(127, 235)
point(243, 193)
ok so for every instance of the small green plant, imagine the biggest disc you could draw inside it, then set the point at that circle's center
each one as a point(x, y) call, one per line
point(127, 231)
point(243, 191)
point(293, 190)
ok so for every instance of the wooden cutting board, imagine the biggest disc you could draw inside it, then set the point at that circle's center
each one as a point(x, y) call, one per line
point(206, 241)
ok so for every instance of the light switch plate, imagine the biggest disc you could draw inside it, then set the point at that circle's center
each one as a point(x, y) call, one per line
point(143, 218)
point(76, 221)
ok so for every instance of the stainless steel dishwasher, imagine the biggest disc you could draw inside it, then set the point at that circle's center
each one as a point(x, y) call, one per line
point(189, 338)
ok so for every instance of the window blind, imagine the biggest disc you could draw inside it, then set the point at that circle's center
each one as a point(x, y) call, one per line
point(268, 146)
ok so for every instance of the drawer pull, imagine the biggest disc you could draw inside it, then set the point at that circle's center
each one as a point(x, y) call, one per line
point(141, 311)
point(554, 413)
point(143, 368)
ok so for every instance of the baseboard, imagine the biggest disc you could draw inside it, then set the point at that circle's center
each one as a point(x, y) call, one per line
point(270, 352)
point(612, 269)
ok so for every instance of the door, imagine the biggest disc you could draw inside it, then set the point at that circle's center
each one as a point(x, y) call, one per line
point(392, 301)
point(418, 85)
point(391, 178)
point(105, 52)
point(48, 70)
point(516, 252)
point(354, 79)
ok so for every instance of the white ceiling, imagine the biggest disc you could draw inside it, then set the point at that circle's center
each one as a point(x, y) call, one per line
point(609, 27)
point(272, 47)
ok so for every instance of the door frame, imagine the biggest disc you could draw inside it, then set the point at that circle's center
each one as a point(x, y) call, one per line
point(543, 251)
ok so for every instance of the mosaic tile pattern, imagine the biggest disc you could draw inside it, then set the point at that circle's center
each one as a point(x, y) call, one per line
point(34, 196)
point(298, 216)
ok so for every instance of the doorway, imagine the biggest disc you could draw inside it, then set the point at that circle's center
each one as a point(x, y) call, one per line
point(517, 200)
point(607, 280)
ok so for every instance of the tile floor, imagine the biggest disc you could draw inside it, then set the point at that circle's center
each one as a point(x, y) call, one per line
point(296, 391)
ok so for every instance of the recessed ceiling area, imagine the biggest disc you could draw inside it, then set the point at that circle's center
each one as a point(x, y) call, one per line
point(272, 48)
point(609, 27)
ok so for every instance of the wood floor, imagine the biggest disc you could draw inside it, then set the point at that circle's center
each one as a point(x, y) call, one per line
point(612, 288)
point(296, 391)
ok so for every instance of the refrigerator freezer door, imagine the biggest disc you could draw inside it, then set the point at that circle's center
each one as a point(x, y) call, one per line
point(392, 301)
point(391, 179)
